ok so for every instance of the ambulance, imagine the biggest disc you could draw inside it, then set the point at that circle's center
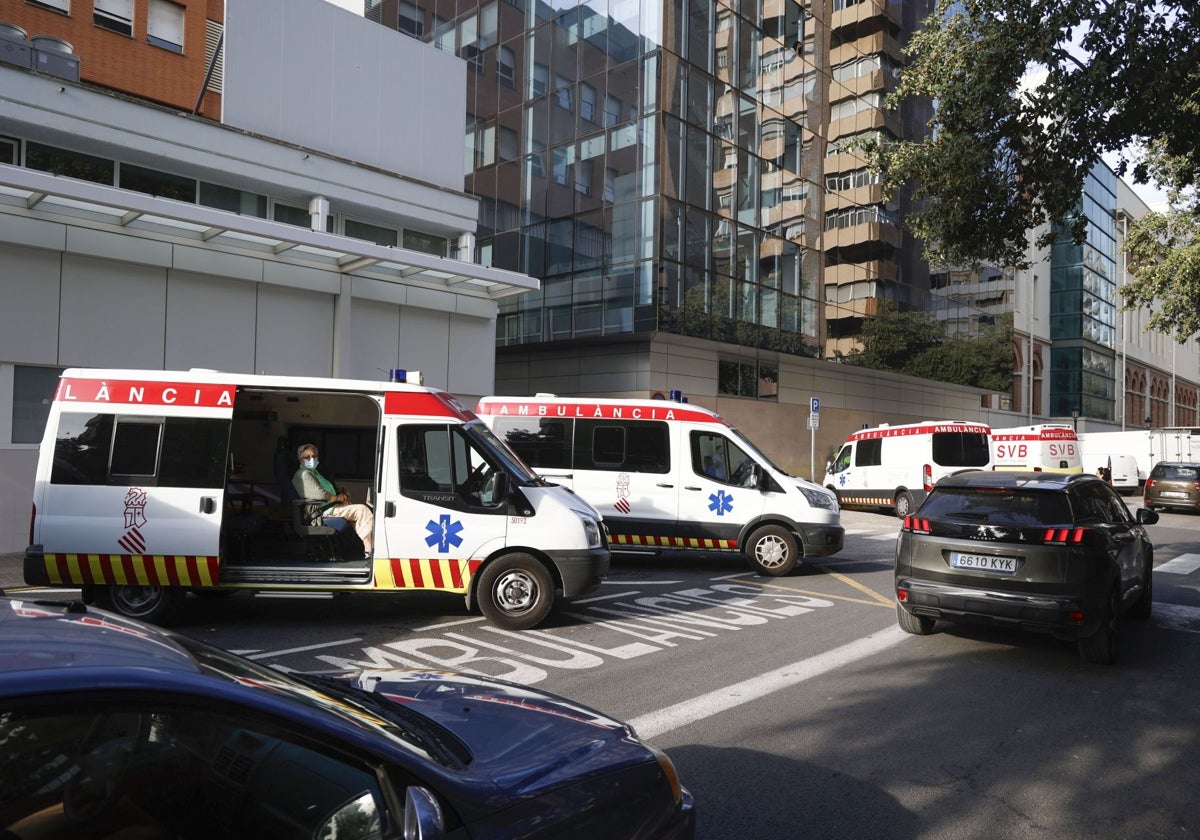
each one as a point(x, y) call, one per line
point(154, 484)
point(669, 475)
point(1046, 447)
point(896, 466)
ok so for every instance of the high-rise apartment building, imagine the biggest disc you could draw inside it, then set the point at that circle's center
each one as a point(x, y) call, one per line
point(684, 177)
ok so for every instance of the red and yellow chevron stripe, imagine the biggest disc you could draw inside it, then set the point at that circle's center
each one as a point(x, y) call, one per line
point(430, 573)
point(673, 542)
point(133, 569)
point(874, 501)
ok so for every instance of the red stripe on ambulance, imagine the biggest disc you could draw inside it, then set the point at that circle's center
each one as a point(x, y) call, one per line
point(122, 569)
point(595, 410)
point(134, 392)
point(425, 404)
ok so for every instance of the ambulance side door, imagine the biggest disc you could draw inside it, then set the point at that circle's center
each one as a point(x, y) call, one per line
point(136, 483)
point(719, 489)
point(441, 504)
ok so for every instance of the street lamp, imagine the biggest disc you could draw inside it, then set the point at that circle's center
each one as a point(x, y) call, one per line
point(1075, 418)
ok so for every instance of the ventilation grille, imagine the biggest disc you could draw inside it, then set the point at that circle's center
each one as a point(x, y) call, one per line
point(212, 43)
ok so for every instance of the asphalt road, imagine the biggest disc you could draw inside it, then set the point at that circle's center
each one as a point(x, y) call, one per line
point(794, 707)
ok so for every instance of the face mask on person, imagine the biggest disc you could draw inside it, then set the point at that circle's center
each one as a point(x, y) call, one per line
point(310, 463)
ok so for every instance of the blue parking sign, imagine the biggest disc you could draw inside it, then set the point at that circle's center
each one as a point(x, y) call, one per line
point(815, 407)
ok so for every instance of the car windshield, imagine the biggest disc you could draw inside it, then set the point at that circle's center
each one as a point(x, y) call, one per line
point(998, 506)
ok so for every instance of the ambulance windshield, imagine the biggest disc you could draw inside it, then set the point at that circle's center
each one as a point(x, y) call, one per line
point(500, 451)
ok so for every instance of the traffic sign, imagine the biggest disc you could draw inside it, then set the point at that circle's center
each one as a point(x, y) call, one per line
point(814, 422)
point(815, 404)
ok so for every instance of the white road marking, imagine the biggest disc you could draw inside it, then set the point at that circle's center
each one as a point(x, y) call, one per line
point(1184, 564)
point(304, 649)
point(624, 582)
point(656, 723)
point(882, 537)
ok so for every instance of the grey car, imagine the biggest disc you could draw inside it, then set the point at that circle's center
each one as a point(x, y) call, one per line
point(1048, 552)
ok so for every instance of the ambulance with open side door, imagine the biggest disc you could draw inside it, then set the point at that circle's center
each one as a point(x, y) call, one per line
point(896, 466)
point(151, 484)
point(670, 475)
point(1045, 447)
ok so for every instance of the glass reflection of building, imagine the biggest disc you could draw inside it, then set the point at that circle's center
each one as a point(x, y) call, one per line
point(683, 166)
point(1083, 312)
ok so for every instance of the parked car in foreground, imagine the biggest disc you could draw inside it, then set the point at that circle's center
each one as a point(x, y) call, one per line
point(1173, 484)
point(110, 727)
point(1055, 553)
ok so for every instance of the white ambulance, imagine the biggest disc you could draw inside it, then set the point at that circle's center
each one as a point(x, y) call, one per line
point(896, 466)
point(1046, 447)
point(151, 484)
point(669, 475)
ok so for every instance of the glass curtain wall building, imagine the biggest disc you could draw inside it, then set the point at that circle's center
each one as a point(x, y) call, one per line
point(1083, 309)
point(684, 166)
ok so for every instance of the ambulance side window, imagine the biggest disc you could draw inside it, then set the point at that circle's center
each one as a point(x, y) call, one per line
point(616, 445)
point(440, 465)
point(842, 462)
point(539, 441)
point(115, 450)
point(869, 453)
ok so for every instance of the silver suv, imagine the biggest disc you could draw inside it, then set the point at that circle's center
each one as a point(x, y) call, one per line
point(1049, 552)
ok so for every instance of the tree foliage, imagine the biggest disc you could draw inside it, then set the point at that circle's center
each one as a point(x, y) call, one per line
point(914, 343)
point(1029, 96)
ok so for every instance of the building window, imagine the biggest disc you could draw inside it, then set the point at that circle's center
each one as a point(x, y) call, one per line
point(33, 391)
point(233, 200)
point(539, 80)
point(164, 25)
point(63, 6)
point(587, 102)
point(562, 91)
point(115, 15)
point(506, 67)
point(612, 110)
point(152, 182)
point(426, 243)
point(8, 150)
point(412, 20)
point(370, 233)
point(747, 379)
point(69, 164)
point(290, 215)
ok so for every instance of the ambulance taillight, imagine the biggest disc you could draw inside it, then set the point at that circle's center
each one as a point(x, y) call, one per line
point(927, 477)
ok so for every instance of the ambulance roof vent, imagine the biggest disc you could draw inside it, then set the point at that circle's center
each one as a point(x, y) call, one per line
point(544, 394)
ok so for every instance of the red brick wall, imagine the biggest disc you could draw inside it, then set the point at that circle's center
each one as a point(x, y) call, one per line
point(124, 63)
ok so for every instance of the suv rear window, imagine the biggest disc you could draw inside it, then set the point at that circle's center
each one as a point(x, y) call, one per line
point(962, 449)
point(1174, 472)
point(1018, 507)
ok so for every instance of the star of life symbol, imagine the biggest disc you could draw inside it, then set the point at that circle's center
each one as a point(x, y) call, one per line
point(720, 503)
point(842, 479)
point(443, 533)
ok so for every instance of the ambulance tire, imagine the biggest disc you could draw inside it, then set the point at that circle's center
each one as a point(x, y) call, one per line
point(151, 604)
point(516, 592)
point(905, 504)
point(772, 551)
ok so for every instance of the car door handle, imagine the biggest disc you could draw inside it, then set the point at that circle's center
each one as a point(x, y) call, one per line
point(692, 487)
point(661, 484)
point(208, 504)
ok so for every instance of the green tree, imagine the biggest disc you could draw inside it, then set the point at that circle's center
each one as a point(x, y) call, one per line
point(1029, 97)
point(914, 343)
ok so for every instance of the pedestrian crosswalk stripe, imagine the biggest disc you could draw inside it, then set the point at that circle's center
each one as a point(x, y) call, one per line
point(1184, 564)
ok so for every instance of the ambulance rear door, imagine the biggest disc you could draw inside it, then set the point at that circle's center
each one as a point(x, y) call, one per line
point(138, 470)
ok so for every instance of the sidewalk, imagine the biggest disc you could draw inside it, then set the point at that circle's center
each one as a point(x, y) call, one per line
point(12, 574)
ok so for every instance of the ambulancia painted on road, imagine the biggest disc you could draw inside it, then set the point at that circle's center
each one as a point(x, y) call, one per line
point(153, 483)
point(670, 475)
point(1047, 447)
point(896, 466)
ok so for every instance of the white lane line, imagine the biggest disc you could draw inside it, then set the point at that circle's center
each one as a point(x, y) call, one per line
point(305, 649)
point(656, 723)
point(1184, 564)
point(882, 537)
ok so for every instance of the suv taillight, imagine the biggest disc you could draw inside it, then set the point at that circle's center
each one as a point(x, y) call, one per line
point(917, 526)
point(1149, 483)
point(1063, 536)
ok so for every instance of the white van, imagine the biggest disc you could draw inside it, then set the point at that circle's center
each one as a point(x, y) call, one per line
point(1122, 468)
point(1046, 447)
point(153, 483)
point(896, 466)
point(670, 475)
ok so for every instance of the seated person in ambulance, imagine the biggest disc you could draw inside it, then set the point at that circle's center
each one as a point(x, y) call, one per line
point(311, 485)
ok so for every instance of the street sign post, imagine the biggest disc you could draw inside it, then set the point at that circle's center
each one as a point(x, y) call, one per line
point(814, 422)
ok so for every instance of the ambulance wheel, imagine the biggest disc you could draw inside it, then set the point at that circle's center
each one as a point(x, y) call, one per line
point(516, 592)
point(904, 503)
point(772, 551)
point(152, 604)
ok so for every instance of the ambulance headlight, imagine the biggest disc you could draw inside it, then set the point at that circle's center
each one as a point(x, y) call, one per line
point(820, 498)
point(591, 530)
